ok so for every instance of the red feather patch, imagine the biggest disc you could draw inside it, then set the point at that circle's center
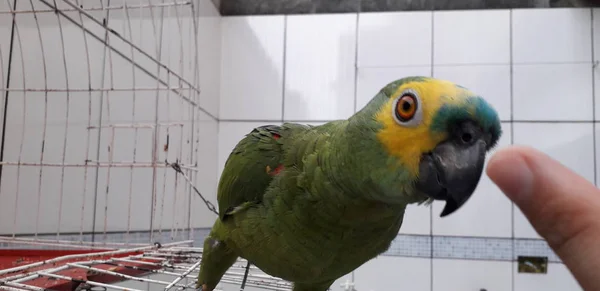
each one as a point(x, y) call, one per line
point(276, 171)
point(276, 136)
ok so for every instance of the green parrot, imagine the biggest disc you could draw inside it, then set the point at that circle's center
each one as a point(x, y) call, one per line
point(309, 204)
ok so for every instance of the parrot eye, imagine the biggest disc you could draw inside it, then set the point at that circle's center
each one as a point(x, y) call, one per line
point(406, 107)
point(407, 111)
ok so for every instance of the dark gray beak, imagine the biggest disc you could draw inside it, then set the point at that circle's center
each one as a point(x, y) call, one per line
point(453, 169)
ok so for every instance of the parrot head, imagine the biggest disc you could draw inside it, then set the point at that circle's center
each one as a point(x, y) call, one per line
point(435, 135)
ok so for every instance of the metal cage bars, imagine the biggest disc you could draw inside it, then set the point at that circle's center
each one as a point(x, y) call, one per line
point(175, 84)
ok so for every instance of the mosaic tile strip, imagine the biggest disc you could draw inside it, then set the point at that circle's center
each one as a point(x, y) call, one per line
point(420, 246)
point(495, 249)
point(410, 246)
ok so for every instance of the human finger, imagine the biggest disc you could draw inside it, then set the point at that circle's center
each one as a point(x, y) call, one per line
point(563, 207)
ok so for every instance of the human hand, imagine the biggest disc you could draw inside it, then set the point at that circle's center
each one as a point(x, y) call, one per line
point(563, 207)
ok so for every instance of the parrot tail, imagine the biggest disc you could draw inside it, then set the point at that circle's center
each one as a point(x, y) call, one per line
point(217, 258)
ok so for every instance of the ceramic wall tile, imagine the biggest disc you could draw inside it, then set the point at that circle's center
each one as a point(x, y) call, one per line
point(471, 37)
point(394, 273)
point(460, 275)
point(558, 278)
point(390, 39)
point(539, 92)
point(557, 35)
point(252, 67)
point(320, 67)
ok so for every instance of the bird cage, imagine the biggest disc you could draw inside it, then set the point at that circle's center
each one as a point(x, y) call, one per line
point(103, 141)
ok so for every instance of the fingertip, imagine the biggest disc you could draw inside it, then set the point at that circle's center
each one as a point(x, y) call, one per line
point(498, 159)
point(504, 157)
point(508, 169)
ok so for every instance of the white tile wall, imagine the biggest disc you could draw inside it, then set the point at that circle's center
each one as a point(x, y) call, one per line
point(596, 57)
point(407, 274)
point(550, 85)
point(417, 220)
point(596, 85)
point(252, 67)
point(394, 39)
point(335, 286)
point(460, 275)
point(471, 37)
point(595, 38)
point(551, 35)
point(557, 278)
point(575, 149)
point(341, 283)
point(320, 67)
point(338, 285)
point(209, 57)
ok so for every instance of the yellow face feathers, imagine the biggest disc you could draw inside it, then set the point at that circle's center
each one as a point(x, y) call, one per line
point(408, 114)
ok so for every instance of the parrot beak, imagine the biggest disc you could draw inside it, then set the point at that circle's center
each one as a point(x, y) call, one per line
point(452, 170)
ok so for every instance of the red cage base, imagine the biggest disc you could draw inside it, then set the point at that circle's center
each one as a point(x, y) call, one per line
point(15, 258)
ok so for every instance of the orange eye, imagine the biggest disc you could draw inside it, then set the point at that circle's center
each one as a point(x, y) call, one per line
point(406, 107)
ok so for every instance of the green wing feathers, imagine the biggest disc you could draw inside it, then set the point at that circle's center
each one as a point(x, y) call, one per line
point(253, 164)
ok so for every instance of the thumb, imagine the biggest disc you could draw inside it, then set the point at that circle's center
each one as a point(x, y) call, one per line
point(563, 207)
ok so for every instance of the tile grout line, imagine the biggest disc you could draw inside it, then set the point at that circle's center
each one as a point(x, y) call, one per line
point(219, 116)
point(502, 121)
point(284, 67)
point(511, 126)
point(594, 98)
point(431, 239)
point(356, 36)
point(451, 65)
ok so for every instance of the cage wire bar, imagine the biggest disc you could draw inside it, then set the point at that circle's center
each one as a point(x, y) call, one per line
point(186, 91)
point(176, 263)
point(153, 66)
